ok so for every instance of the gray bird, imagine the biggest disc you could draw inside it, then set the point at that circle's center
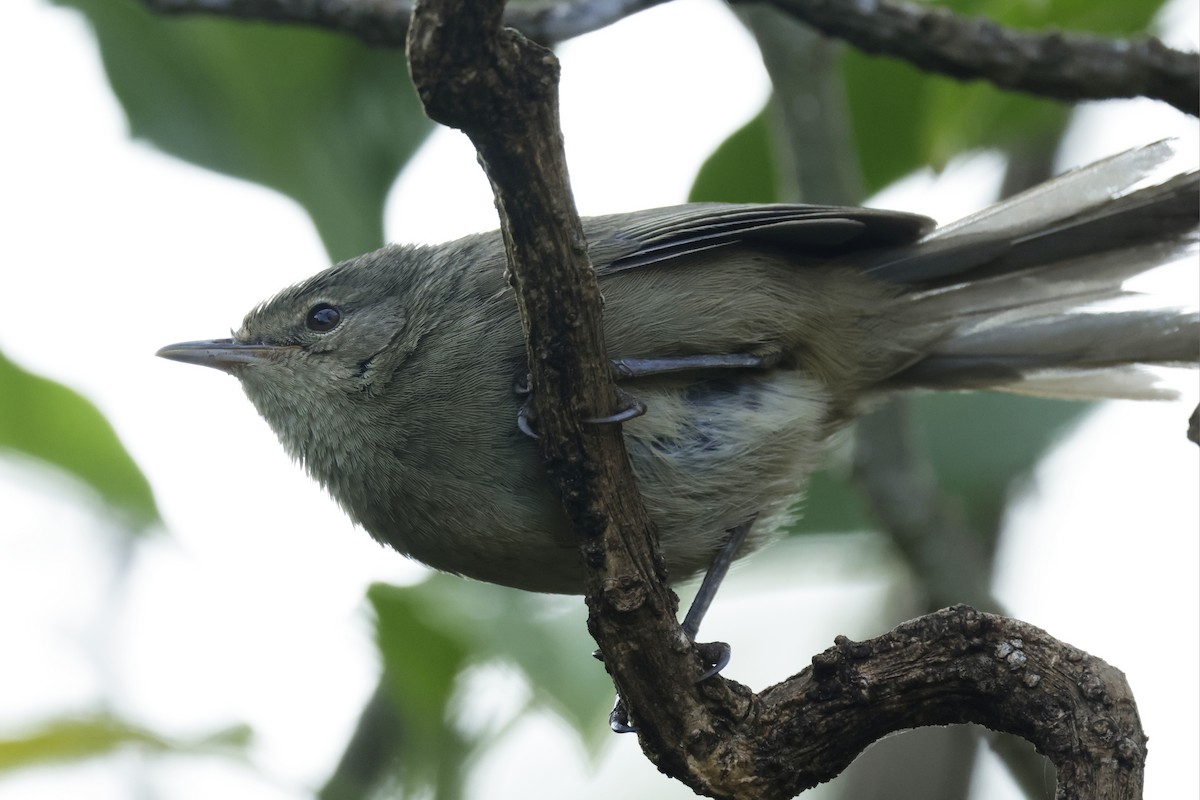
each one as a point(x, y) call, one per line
point(751, 334)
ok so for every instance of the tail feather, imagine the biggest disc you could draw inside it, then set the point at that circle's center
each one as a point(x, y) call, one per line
point(1073, 193)
point(1009, 316)
point(1058, 287)
point(1114, 383)
point(1004, 355)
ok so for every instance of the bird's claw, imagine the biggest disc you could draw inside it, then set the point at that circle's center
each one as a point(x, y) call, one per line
point(716, 655)
point(526, 416)
point(618, 718)
point(631, 408)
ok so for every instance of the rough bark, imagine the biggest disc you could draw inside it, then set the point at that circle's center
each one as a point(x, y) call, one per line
point(718, 737)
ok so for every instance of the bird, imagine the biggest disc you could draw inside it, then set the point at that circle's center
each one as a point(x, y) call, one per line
point(750, 334)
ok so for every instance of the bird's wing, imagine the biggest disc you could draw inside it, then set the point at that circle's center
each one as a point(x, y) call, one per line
point(646, 238)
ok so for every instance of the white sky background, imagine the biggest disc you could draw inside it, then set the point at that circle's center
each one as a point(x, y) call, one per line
point(251, 608)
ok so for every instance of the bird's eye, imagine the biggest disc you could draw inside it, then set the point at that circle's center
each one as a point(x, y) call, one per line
point(322, 317)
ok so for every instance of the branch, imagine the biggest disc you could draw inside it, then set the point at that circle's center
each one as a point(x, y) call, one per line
point(501, 90)
point(1064, 66)
point(954, 666)
point(716, 736)
point(385, 22)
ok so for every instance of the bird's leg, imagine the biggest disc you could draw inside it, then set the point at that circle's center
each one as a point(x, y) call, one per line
point(715, 654)
point(628, 368)
point(643, 367)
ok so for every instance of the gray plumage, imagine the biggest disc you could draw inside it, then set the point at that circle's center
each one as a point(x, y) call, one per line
point(405, 409)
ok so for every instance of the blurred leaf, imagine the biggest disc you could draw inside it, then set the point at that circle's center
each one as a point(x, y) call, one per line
point(905, 119)
point(979, 443)
point(545, 637)
point(832, 505)
point(741, 170)
point(422, 662)
point(320, 117)
point(429, 635)
point(71, 739)
point(370, 756)
point(54, 424)
point(886, 109)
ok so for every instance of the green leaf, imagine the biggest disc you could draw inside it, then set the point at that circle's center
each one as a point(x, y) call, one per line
point(832, 505)
point(980, 443)
point(544, 637)
point(980, 446)
point(904, 119)
point(429, 635)
point(741, 170)
point(75, 739)
point(318, 116)
point(422, 662)
point(54, 424)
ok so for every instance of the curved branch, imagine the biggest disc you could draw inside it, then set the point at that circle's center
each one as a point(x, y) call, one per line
point(957, 665)
point(719, 738)
point(1064, 66)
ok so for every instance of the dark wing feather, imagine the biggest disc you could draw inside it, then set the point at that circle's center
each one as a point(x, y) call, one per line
point(630, 241)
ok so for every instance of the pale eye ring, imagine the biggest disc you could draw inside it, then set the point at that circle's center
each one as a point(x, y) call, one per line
point(322, 318)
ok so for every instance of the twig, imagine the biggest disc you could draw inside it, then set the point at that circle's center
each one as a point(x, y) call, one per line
point(385, 22)
point(1065, 66)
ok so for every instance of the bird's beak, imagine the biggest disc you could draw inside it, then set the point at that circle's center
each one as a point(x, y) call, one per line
point(223, 354)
